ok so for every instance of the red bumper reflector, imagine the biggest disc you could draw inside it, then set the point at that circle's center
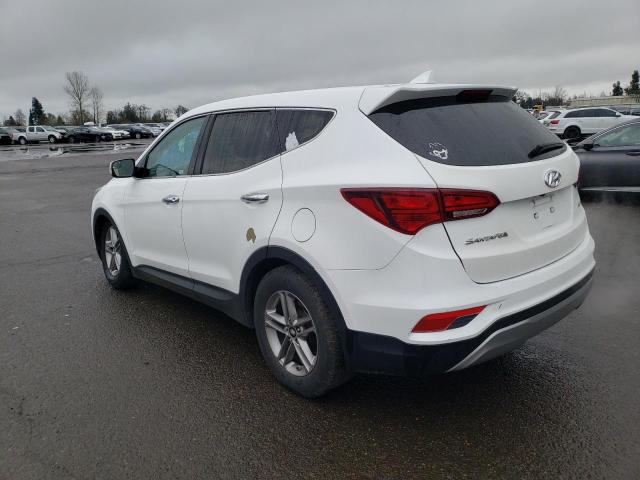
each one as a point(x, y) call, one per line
point(437, 322)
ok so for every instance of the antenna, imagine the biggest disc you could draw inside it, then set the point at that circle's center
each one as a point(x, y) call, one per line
point(424, 77)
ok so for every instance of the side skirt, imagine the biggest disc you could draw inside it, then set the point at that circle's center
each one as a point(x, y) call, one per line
point(227, 302)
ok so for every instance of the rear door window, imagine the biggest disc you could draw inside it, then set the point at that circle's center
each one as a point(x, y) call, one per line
point(239, 140)
point(466, 131)
point(298, 126)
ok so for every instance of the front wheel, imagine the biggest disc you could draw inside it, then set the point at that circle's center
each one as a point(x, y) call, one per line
point(299, 337)
point(138, 136)
point(52, 139)
point(115, 261)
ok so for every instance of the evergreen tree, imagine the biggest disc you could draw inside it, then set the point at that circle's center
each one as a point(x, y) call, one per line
point(36, 113)
point(634, 85)
point(11, 122)
point(617, 89)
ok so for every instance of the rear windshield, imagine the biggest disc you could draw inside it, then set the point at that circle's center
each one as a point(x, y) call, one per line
point(476, 131)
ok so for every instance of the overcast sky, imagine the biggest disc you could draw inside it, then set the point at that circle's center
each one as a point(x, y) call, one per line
point(163, 53)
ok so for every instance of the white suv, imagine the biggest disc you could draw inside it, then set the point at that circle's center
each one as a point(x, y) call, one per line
point(403, 229)
point(573, 124)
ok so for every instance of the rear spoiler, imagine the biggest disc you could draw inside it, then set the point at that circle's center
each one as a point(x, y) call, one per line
point(374, 98)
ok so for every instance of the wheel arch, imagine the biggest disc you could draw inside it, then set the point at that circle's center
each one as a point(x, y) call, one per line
point(100, 217)
point(266, 259)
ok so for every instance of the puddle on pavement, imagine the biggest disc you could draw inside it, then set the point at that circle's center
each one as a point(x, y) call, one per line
point(40, 151)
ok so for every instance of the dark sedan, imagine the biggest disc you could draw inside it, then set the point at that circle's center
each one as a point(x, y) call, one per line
point(5, 136)
point(88, 134)
point(610, 160)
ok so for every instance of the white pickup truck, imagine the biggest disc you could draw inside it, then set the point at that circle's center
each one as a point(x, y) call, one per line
point(38, 133)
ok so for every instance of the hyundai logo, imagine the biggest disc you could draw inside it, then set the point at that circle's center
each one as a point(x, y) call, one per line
point(552, 178)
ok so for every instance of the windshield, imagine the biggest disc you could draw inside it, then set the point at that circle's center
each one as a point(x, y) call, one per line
point(456, 131)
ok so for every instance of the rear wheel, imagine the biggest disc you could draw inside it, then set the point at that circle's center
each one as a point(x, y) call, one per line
point(572, 133)
point(115, 262)
point(72, 139)
point(138, 136)
point(22, 141)
point(52, 139)
point(299, 338)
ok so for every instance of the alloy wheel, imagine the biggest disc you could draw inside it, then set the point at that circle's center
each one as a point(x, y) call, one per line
point(112, 251)
point(291, 333)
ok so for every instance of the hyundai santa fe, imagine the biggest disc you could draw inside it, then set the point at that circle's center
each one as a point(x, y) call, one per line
point(402, 229)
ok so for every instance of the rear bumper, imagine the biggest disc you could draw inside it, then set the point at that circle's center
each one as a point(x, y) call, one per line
point(375, 353)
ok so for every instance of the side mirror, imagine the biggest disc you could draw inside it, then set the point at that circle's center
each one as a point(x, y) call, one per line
point(122, 168)
point(587, 146)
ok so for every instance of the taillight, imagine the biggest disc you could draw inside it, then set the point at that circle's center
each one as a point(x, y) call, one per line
point(407, 210)
point(437, 322)
point(554, 122)
point(459, 204)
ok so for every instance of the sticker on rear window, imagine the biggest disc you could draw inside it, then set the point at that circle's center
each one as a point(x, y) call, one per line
point(438, 150)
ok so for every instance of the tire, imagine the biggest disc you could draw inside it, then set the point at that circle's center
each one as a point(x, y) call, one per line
point(572, 133)
point(22, 141)
point(52, 139)
point(319, 338)
point(115, 259)
point(138, 136)
point(72, 139)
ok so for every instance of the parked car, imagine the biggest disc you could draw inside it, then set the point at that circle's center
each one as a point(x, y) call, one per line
point(159, 126)
point(6, 135)
point(116, 134)
point(155, 131)
point(573, 124)
point(37, 133)
point(610, 160)
point(88, 134)
point(407, 229)
point(552, 114)
point(134, 131)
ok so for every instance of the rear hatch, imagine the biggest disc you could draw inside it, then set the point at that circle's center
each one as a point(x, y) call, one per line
point(478, 139)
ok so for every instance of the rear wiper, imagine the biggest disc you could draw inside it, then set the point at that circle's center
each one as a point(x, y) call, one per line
point(544, 148)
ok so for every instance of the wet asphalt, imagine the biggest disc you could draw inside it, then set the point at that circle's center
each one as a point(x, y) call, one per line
point(96, 383)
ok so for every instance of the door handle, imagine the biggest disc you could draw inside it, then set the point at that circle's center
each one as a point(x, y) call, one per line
point(171, 199)
point(255, 197)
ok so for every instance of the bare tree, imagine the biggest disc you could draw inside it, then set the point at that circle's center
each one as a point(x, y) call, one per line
point(77, 88)
point(143, 113)
point(96, 103)
point(166, 114)
point(20, 117)
point(559, 93)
